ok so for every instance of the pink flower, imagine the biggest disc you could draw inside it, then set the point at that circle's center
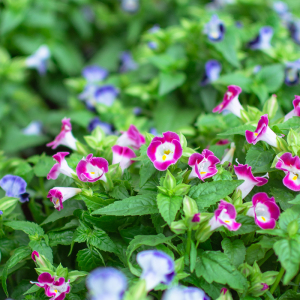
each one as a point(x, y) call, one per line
point(244, 172)
point(131, 138)
point(65, 137)
point(262, 133)
point(61, 166)
point(122, 156)
point(265, 286)
point(58, 195)
point(296, 111)
point(291, 167)
point(231, 101)
point(224, 216)
point(222, 142)
point(228, 154)
point(165, 151)
point(204, 165)
point(196, 218)
point(92, 169)
point(264, 210)
point(34, 254)
point(56, 289)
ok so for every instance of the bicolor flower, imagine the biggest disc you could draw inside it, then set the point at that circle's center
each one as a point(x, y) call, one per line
point(60, 167)
point(262, 133)
point(39, 59)
point(65, 137)
point(203, 165)
point(122, 156)
point(131, 138)
point(130, 6)
point(215, 29)
point(224, 215)
point(291, 167)
point(185, 293)
point(228, 154)
point(244, 172)
point(106, 95)
point(212, 72)
point(263, 40)
point(296, 111)
point(94, 73)
point(292, 71)
point(231, 101)
point(15, 186)
point(264, 210)
point(58, 195)
point(56, 289)
point(34, 128)
point(106, 127)
point(294, 28)
point(92, 169)
point(106, 284)
point(157, 266)
point(127, 62)
point(165, 151)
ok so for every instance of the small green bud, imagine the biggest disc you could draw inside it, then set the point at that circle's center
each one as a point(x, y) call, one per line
point(269, 277)
point(178, 227)
point(293, 140)
point(179, 265)
point(245, 269)
point(181, 189)
point(282, 144)
point(245, 116)
point(293, 228)
point(183, 141)
point(163, 190)
point(98, 134)
point(190, 207)
point(237, 198)
point(114, 171)
point(137, 291)
point(149, 137)
point(87, 192)
point(170, 181)
point(81, 149)
point(271, 107)
point(225, 295)
point(203, 233)
point(258, 289)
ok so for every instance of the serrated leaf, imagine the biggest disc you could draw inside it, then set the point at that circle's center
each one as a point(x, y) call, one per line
point(32, 290)
point(235, 251)
point(102, 241)
point(61, 238)
point(238, 130)
point(288, 216)
point(292, 123)
point(146, 171)
point(28, 227)
point(89, 259)
point(168, 206)
point(283, 197)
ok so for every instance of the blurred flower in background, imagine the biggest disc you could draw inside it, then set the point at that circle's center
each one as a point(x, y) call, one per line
point(263, 39)
point(215, 29)
point(127, 62)
point(39, 59)
point(212, 72)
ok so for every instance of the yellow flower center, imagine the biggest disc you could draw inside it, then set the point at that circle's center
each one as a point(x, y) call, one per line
point(55, 291)
point(202, 173)
point(92, 173)
point(263, 218)
point(255, 133)
point(226, 221)
point(295, 177)
point(167, 152)
point(164, 157)
point(57, 201)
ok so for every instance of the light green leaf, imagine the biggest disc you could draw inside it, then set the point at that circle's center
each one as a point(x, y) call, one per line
point(235, 251)
point(168, 206)
point(238, 130)
point(146, 171)
point(8, 204)
point(28, 227)
point(170, 81)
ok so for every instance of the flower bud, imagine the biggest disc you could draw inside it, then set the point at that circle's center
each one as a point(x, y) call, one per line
point(225, 295)
point(170, 181)
point(282, 144)
point(258, 289)
point(163, 190)
point(98, 134)
point(190, 207)
point(293, 140)
point(87, 192)
point(271, 107)
point(245, 116)
point(203, 233)
point(178, 227)
point(181, 189)
point(269, 277)
point(293, 228)
point(183, 141)
point(81, 149)
point(237, 198)
point(194, 222)
point(115, 171)
point(179, 265)
point(149, 137)
point(245, 269)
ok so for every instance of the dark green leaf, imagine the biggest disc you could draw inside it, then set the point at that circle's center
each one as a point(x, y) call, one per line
point(28, 227)
point(89, 259)
point(235, 251)
point(168, 206)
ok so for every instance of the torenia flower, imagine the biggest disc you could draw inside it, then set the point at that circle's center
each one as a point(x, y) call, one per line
point(294, 27)
point(215, 29)
point(264, 210)
point(185, 293)
point(292, 70)
point(92, 169)
point(203, 165)
point(291, 167)
point(212, 72)
point(106, 127)
point(33, 128)
point(130, 6)
point(263, 39)
point(244, 172)
point(224, 216)
point(94, 73)
point(15, 186)
point(122, 156)
point(106, 284)
point(228, 154)
point(60, 167)
point(131, 138)
point(65, 137)
point(296, 111)
point(38, 60)
point(157, 266)
point(106, 95)
point(165, 151)
point(58, 195)
point(127, 62)
point(56, 289)
point(231, 101)
point(262, 133)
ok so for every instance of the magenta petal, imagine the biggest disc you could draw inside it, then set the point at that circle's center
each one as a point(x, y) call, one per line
point(266, 225)
point(54, 172)
point(163, 166)
point(62, 296)
point(296, 103)
point(59, 282)
point(250, 137)
point(34, 254)
point(45, 278)
point(169, 136)
point(59, 156)
point(194, 159)
point(178, 149)
point(234, 226)
point(291, 183)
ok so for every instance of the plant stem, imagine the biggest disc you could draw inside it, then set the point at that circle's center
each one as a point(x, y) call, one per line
point(297, 280)
point(188, 242)
point(278, 278)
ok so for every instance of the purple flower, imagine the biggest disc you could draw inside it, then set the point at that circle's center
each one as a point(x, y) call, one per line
point(256, 69)
point(212, 72)
point(203, 165)
point(94, 73)
point(127, 62)
point(264, 210)
point(263, 40)
point(106, 127)
point(131, 138)
point(58, 195)
point(106, 95)
point(122, 156)
point(224, 215)
point(296, 111)
point(262, 133)
point(280, 7)
point(291, 167)
point(292, 70)
point(244, 172)
point(215, 29)
point(157, 266)
point(106, 284)
point(130, 6)
point(60, 167)
point(231, 101)
point(137, 111)
point(165, 151)
point(92, 169)
point(185, 293)
point(65, 137)
point(39, 59)
point(34, 128)
point(1, 212)
point(196, 218)
point(153, 131)
point(15, 186)
point(57, 289)
point(153, 45)
point(88, 96)
point(294, 27)
point(264, 286)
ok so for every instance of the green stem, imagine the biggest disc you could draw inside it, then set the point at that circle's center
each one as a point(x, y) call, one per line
point(188, 243)
point(297, 280)
point(267, 256)
point(44, 194)
point(277, 280)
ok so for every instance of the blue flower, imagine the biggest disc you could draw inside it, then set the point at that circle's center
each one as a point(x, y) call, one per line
point(130, 6)
point(158, 267)
point(15, 186)
point(34, 128)
point(294, 28)
point(153, 131)
point(212, 72)
point(282, 10)
point(137, 111)
point(106, 284)
point(185, 293)
point(107, 128)
point(106, 95)
point(39, 59)
point(94, 73)
point(263, 39)
point(127, 62)
point(215, 29)
point(256, 69)
point(1, 212)
point(292, 72)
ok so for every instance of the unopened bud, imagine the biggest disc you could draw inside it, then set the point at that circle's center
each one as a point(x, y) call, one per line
point(149, 137)
point(293, 228)
point(183, 141)
point(203, 233)
point(178, 227)
point(282, 144)
point(225, 295)
point(170, 181)
point(271, 107)
point(245, 116)
point(98, 134)
point(81, 149)
point(258, 289)
point(179, 265)
point(245, 269)
point(190, 207)
point(181, 189)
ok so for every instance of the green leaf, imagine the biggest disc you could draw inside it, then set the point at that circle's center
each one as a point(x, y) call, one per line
point(209, 193)
point(288, 216)
point(261, 91)
point(28, 227)
point(255, 252)
point(248, 226)
point(102, 241)
point(168, 206)
point(32, 290)
point(8, 204)
point(283, 197)
point(238, 130)
point(237, 78)
point(96, 201)
point(42, 248)
point(170, 81)
point(43, 166)
point(292, 123)
point(289, 295)
point(60, 238)
point(89, 259)
point(119, 192)
point(146, 171)
point(132, 206)
point(235, 251)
